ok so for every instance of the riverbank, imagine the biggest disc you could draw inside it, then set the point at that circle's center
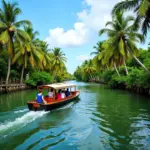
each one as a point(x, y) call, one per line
point(6, 88)
point(116, 85)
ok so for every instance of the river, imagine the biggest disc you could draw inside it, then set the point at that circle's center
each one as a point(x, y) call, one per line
point(101, 119)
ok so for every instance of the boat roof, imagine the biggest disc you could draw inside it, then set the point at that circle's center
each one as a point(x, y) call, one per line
point(57, 86)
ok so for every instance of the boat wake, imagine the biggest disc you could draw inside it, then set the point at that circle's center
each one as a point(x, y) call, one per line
point(11, 126)
point(21, 111)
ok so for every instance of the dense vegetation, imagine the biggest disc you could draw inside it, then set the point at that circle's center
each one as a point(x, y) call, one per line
point(23, 54)
point(117, 60)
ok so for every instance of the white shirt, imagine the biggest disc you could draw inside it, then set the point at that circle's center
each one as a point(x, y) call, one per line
point(63, 95)
point(50, 94)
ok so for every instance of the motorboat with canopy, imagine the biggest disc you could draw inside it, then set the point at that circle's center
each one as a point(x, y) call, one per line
point(54, 102)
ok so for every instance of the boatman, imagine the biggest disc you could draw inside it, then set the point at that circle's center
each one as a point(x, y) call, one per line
point(40, 98)
point(67, 92)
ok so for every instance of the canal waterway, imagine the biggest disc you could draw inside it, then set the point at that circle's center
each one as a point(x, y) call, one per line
point(100, 119)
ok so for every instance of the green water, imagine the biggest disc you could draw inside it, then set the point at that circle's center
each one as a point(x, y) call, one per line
point(101, 119)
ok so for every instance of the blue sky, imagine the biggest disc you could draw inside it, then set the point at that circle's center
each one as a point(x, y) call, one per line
point(72, 25)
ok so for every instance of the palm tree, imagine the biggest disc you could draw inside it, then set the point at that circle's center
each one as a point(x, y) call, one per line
point(33, 34)
point(46, 61)
point(122, 38)
point(79, 73)
point(9, 29)
point(58, 60)
point(140, 7)
point(99, 55)
point(27, 52)
point(99, 48)
point(108, 58)
point(89, 69)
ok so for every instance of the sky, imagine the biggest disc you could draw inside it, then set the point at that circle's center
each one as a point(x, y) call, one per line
point(72, 25)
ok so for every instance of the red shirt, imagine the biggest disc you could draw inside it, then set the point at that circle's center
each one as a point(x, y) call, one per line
point(58, 96)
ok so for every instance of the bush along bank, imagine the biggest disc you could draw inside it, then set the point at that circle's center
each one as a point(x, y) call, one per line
point(137, 80)
point(41, 77)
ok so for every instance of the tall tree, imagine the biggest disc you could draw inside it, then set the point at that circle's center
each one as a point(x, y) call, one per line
point(89, 68)
point(58, 60)
point(47, 60)
point(9, 29)
point(26, 52)
point(98, 47)
point(100, 55)
point(140, 7)
point(123, 37)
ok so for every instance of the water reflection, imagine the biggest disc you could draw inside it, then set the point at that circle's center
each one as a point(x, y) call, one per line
point(101, 119)
point(114, 116)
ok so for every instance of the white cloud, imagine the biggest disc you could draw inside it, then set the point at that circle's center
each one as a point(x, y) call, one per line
point(97, 13)
point(82, 57)
point(71, 38)
point(90, 20)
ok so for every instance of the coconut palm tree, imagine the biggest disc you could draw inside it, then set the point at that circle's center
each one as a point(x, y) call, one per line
point(99, 48)
point(140, 7)
point(89, 68)
point(79, 73)
point(108, 58)
point(47, 60)
point(33, 34)
point(58, 60)
point(99, 56)
point(122, 38)
point(9, 29)
point(27, 52)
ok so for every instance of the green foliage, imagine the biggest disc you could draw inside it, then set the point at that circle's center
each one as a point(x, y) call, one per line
point(107, 75)
point(141, 9)
point(133, 77)
point(138, 78)
point(39, 77)
point(3, 65)
point(14, 74)
point(118, 82)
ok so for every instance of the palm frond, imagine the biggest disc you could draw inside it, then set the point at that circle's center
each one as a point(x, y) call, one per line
point(123, 5)
point(22, 23)
point(143, 8)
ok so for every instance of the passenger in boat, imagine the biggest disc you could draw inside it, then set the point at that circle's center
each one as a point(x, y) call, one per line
point(67, 92)
point(50, 93)
point(58, 95)
point(40, 98)
point(63, 95)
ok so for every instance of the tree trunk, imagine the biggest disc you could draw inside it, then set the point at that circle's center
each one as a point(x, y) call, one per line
point(116, 69)
point(93, 77)
point(107, 67)
point(22, 73)
point(139, 62)
point(90, 77)
point(126, 70)
point(8, 71)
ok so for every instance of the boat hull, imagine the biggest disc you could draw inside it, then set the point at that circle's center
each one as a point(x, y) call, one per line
point(47, 107)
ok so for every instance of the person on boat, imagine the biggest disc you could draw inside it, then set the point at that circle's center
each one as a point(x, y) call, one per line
point(50, 93)
point(63, 95)
point(67, 92)
point(40, 98)
point(58, 95)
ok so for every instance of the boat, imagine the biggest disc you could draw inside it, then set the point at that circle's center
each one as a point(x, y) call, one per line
point(52, 102)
